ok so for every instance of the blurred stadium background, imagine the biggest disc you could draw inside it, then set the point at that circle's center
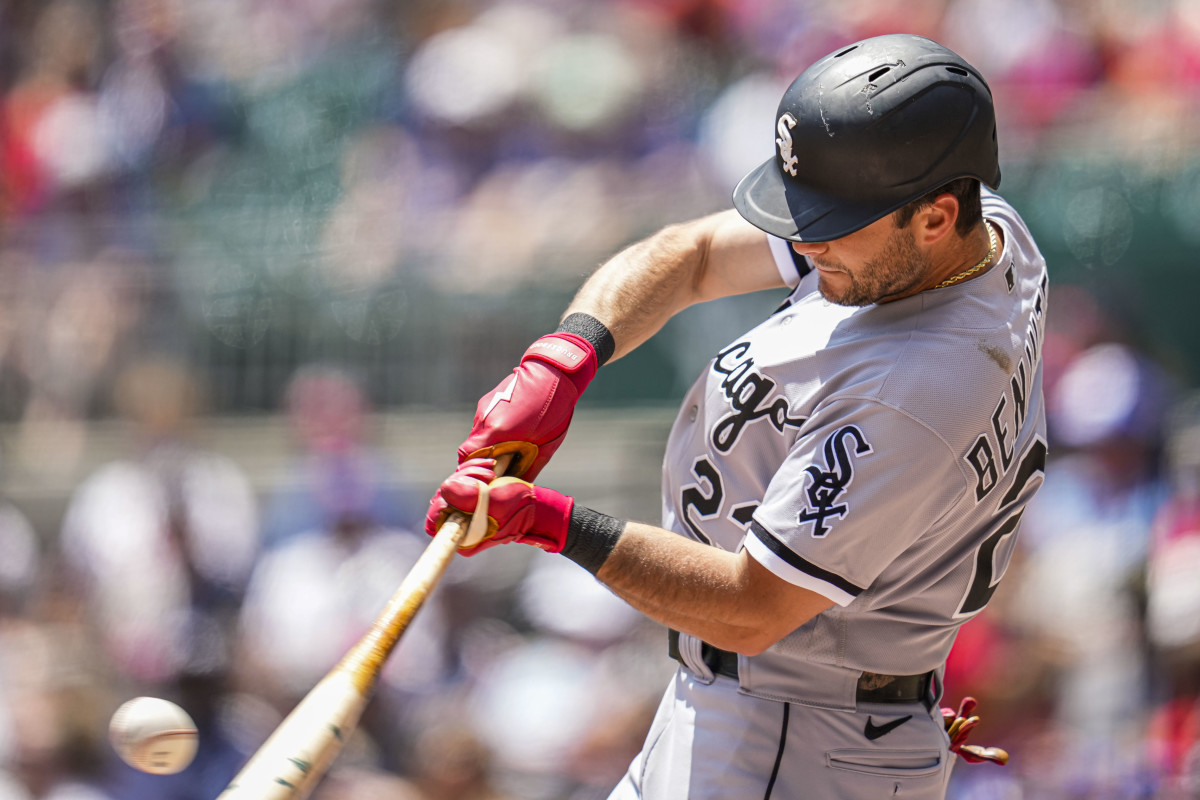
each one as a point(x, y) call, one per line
point(258, 258)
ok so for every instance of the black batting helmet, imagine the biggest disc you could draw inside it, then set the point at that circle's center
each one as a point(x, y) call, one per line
point(864, 131)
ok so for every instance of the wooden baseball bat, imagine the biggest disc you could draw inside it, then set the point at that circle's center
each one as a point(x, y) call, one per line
point(296, 756)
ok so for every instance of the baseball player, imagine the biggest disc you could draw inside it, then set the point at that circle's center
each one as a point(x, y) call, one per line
point(844, 483)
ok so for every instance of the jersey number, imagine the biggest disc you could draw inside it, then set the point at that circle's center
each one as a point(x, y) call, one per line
point(984, 578)
point(707, 505)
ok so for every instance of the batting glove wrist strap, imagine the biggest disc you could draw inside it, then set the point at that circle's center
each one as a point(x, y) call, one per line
point(591, 537)
point(595, 331)
point(571, 353)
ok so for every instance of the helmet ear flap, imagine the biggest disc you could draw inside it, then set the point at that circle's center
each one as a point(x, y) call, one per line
point(867, 129)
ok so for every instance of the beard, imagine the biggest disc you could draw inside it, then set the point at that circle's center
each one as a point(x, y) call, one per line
point(897, 269)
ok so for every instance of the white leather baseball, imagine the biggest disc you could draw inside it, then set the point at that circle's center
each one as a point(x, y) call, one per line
point(153, 735)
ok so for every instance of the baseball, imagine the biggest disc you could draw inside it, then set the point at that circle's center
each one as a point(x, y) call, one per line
point(153, 735)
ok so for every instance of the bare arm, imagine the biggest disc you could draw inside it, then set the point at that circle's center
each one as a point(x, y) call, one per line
point(727, 599)
point(636, 291)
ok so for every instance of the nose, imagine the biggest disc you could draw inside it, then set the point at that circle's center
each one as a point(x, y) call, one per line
point(810, 248)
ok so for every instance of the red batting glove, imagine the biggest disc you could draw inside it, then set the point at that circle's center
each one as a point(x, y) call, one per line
point(959, 725)
point(518, 511)
point(527, 414)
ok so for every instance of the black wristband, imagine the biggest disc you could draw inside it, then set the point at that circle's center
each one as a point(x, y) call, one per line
point(594, 331)
point(591, 537)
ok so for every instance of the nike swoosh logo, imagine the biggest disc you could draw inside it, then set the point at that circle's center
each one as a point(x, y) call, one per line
point(873, 731)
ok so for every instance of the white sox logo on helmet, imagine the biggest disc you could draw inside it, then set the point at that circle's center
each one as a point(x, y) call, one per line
point(784, 129)
point(829, 483)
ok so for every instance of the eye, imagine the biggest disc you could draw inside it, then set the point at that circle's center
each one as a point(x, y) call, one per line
point(847, 50)
point(958, 71)
point(877, 74)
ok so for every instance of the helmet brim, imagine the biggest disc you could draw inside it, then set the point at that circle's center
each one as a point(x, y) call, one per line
point(800, 213)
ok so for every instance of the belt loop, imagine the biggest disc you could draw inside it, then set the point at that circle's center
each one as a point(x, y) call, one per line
point(932, 695)
point(690, 653)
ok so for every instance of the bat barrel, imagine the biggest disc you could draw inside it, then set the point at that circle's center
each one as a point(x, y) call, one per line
point(292, 761)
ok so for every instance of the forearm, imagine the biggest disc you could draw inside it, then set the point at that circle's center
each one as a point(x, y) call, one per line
point(639, 289)
point(636, 291)
point(683, 584)
point(726, 599)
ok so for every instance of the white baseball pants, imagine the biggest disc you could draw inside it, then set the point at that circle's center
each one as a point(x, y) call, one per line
point(708, 741)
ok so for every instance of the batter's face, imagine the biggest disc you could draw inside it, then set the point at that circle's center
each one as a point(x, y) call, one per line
point(875, 264)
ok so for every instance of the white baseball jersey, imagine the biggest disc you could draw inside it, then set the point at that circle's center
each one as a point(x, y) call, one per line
point(881, 456)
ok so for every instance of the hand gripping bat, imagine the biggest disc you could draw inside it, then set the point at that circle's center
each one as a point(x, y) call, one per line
point(296, 756)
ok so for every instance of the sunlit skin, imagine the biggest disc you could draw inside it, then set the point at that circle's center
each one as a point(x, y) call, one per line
point(727, 598)
point(881, 262)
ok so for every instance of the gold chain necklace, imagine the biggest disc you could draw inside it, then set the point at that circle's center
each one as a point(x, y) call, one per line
point(986, 260)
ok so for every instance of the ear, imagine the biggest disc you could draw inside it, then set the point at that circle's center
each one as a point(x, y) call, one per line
point(934, 222)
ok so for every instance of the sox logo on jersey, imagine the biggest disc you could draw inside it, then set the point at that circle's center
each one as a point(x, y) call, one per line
point(829, 483)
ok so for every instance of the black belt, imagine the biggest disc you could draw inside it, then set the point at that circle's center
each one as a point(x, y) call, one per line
point(872, 686)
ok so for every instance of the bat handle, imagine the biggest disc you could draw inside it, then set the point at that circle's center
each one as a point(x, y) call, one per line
point(293, 759)
point(364, 662)
point(477, 523)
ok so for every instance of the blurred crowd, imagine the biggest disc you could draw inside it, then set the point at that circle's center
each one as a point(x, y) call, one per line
point(521, 677)
point(258, 183)
point(288, 207)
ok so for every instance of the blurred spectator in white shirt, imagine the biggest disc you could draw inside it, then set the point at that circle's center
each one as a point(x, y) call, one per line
point(337, 549)
point(158, 547)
